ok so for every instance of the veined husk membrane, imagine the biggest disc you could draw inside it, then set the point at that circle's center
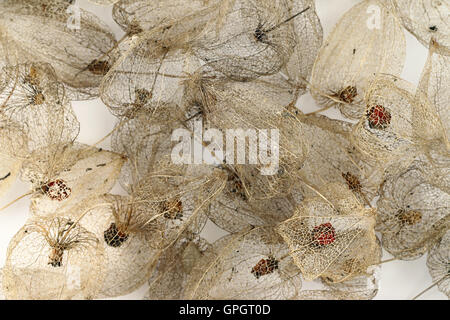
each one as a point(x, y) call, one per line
point(412, 213)
point(53, 258)
point(437, 262)
point(426, 20)
point(332, 235)
point(40, 31)
point(252, 264)
point(366, 41)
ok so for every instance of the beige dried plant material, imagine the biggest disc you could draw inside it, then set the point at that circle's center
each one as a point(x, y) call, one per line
point(77, 174)
point(36, 100)
point(128, 256)
point(233, 211)
point(174, 266)
point(174, 200)
point(331, 235)
point(438, 262)
point(363, 287)
point(435, 80)
point(230, 106)
point(41, 31)
point(144, 140)
point(148, 74)
point(53, 258)
point(398, 121)
point(412, 213)
point(253, 264)
point(308, 39)
point(367, 40)
point(13, 146)
point(135, 16)
point(426, 20)
point(332, 158)
point(255, 38)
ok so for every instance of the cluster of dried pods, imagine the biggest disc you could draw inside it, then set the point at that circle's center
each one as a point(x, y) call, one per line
point(225, 64)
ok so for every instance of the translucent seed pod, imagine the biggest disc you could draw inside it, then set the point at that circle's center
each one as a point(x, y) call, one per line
point(255, 38)
point(253, 264)
point(435, 80)
point(363, 287)
point(14, 147)
point(135, 16)
point(147, 75)
point(412, 213)
point(175, 200)
point(77, 44)
point(438, 263)
point(35, 98)
point(144, 139)
point(331, 235)
point(367, 40)
point(169, 278)
point(129, 258)
point(233, 211)
point(308, 38)
point(397, 121)
point(332, 158)
point(53, 258)
point(426, 20)
point(79, 173)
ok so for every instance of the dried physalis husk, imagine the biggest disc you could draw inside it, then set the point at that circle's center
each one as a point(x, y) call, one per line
point(128, 256)
point(426, 20)
point(13, 150)
point(254, 264)
point(438, 263)
point(53, 258)
point(363, 287)
point(397, 121)
point(48, 31)
point(331, 235)
point(435, 81)
point(332, 158)
point(175, 198)
point(8, 57)
point(308, 38)
point(148, 74)
point(412, 213)
point(80, 172)
point(135, 16)
point(144, 139)
point(435, 167)
point(174, 266)
point(367, 40)
point(35, 99)
point(268, 164)
point(252, 39)
point(233, 211)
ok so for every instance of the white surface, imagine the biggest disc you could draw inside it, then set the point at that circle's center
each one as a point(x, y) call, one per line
point(399, 279)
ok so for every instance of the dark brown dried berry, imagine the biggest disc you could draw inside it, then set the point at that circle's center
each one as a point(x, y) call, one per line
point(114, 237)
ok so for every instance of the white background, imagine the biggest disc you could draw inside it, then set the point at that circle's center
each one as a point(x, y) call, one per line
point(399, 279)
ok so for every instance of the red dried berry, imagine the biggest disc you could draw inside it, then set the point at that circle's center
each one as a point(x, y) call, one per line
point(378, 117)
point(264, 266)
point(57, 190)
point(324, 234)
